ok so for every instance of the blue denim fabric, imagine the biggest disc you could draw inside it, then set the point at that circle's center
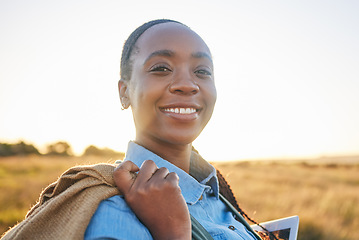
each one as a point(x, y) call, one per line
point(114, 219)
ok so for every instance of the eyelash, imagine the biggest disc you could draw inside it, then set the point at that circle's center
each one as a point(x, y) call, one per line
point(203, 72)
point(165, 69)
point(160, 68)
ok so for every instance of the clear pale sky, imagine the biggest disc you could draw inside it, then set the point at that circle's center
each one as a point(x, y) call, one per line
point(287, 73)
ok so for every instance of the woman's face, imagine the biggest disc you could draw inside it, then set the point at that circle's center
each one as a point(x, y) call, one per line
point(171, 90)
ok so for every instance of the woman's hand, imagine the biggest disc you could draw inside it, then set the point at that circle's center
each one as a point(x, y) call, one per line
point(155, 197)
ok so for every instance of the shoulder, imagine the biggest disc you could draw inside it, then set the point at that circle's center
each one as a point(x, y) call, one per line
point(114, 219)
point(115, 203)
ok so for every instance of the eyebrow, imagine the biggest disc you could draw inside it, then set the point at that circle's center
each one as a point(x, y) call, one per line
point(202, 55)
point(161, 53)
point(169, 53)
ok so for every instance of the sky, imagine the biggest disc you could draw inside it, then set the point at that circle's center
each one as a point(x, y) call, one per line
point(286, 72)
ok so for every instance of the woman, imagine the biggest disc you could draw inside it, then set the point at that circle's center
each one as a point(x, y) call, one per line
point(165, 190)
point(167, 79)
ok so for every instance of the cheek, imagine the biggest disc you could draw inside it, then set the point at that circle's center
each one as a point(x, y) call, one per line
point(211, 98)
point(144, 98)
point(210, 94)
point(146, 94)
point(214, 94)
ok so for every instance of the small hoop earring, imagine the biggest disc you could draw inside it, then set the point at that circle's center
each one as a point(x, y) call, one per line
point(123, 103)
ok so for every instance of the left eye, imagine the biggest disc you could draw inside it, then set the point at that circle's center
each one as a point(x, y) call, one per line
point(203, 72)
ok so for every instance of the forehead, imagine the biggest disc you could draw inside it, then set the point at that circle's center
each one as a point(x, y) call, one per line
point(170, 36)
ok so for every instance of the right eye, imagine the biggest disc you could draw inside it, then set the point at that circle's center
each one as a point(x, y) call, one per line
point(160, 68)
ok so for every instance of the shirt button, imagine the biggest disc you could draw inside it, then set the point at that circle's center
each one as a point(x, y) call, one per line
point(201, 197)
point(232, 227)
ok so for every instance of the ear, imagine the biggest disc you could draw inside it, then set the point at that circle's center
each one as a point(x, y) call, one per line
point(123, 90)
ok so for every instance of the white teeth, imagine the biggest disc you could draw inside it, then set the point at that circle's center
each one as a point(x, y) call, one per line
point(181, 110)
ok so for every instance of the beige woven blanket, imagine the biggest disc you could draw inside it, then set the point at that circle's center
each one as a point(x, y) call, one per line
point(66, 206)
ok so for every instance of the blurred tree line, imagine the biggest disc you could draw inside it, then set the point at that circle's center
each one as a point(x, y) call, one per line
point(60, 148)
point(19, 148)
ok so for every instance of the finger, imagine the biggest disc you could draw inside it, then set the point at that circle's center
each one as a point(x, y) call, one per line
point(124, 176)
point(159, 176)
point(147, 169)
point(173, 178)
point(161, 173)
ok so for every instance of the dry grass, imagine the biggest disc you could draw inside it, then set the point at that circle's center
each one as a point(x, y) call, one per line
point(23, 178)
point(325, 197)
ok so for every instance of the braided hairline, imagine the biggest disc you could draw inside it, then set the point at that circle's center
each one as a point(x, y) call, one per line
point(130, 45)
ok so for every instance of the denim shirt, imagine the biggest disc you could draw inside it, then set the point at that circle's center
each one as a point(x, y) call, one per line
point(113, 218)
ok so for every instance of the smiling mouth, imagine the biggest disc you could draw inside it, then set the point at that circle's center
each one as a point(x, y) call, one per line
point(180, 110)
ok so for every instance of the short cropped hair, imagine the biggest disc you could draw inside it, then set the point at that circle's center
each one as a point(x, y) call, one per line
point(126, 62)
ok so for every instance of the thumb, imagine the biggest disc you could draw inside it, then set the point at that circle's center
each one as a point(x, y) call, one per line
point(125, 175)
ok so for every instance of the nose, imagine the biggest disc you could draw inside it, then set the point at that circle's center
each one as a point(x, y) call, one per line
point(184, 84)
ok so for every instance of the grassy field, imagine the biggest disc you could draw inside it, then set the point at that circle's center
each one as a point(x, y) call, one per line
point(325, 196)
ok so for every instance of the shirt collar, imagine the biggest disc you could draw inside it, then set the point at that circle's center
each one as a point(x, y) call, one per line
point(202, 174)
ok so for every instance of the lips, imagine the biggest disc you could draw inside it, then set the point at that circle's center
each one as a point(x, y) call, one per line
point(185, 112)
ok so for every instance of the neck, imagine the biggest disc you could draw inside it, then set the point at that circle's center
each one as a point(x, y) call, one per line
point(177, 154)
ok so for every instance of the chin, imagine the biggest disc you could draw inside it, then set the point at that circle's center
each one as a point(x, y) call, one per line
point(181, 139)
